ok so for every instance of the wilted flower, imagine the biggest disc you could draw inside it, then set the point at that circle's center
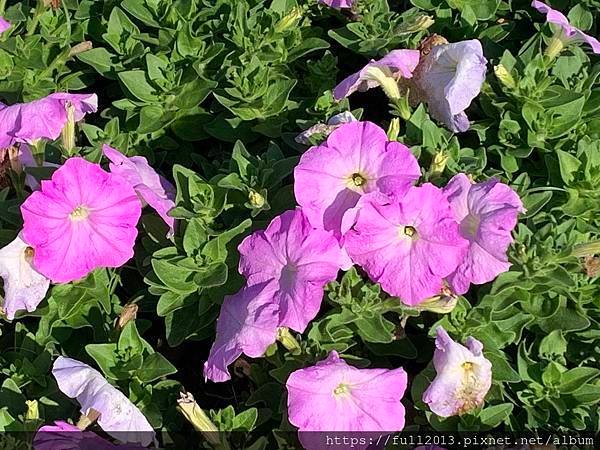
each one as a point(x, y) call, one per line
point(4, 24)
point(42, 119)
point(24, 287)
point(82, 219)
point(152, 188)
point(487, 213)
point(338, 4)
point(409, 245)
point(356, 159)
point(448, 79)
point(118, 416)
point(463, 377)
point(568, 33)
point(384, 72)
point(335, 396)
point(247, 324)
point(297, 261)
point(325, 129)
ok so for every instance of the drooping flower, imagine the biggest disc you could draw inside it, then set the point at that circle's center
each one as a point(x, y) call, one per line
point(297, 261)
point(464, 376)
point(384, 72)
point(325, 129)
point(247, 324)
point(487, 213)
point(4, 24)
point(119, 417)
point(338, 4)
point(409, 245)
point(335, 396)
point(448, 78)
point(64, 436)
point(44, 118)
point(569, 33)
point(356, 159)
point(82, 219)
point(24, 287)
point(152, 188)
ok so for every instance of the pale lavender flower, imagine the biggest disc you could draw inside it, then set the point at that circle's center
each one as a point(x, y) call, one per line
point(464, 376)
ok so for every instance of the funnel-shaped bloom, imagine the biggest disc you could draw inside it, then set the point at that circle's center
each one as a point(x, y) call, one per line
point(338, 4)
point(118, 416)
point(449, 78)
point(247, 324)
point(570, 33)
point(82, 219)
point(463, 377)
point(384, 72)
point(152, 188)
point(42, 119)
point(356, 159)
point(335, 396)
point(24, 287)
point(4, 24)
point(487, 213)
point(297, 260)
point(408, 246)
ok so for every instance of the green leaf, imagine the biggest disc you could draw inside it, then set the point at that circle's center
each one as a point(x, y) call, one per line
point(137, 84)
point(492, 416)
point(155, 366)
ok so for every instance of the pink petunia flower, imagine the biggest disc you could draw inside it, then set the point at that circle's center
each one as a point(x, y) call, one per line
point(297, 260)
point(338, 4)
point(4, 24)
point(42, 119)
point(152, 188)
point(464, 376)
point(487, 213)
point(570, 33)
point(24, 287)
point(408, 246)
point(384, 72)
point(82, 219)
point(118, 416)
point(356, 159)
point(334, 396)
point(247, 324)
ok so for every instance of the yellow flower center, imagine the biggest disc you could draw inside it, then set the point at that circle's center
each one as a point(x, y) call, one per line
point(467, 366)
point(341, 389)
point(79, 213)
point(409, 231)
point(358, 180)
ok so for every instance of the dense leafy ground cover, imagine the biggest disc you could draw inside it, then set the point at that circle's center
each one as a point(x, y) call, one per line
point(213, 93)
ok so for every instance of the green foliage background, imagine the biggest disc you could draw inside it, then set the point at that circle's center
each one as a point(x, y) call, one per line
point(213, 92)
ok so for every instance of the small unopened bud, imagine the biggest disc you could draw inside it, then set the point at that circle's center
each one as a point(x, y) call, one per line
point(420, 23)
point(394, 129)
point(128, 314)
point(33, 412)
point(198, 418)
point(402, 106)
point(504, 76)
point(383, 76)
point(68, 132)
point(80, 48)
point(289, 20)
point(287, 340)
point(556, 45)
point(440, 304)
point(256, 199)
point(438, 163)
point(87, 419)
point(587, 249)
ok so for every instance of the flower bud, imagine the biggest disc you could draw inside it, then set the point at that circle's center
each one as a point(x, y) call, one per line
point(128, 313)
point(438, 163)
point(504, 76)
point(198, 418)
point(440, 304)
point(33, 412)
point(289, 20)
point(556, 45)
point(287, 340)
point(420, 23)
point(384, 77)
point(394, 129)
point(256, 199)
point(587, 249)
point(68, 132)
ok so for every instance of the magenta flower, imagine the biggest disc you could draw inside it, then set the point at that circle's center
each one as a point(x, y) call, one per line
point(408, 246)
point(463, 377)
point(449, 78)
point(64, 436)
point(487, 213)
point(42, 119)
point(247, 324)
point(384, 72)
point(297, 261)
point(152, 188)
point(570, 33)
point(334, 396)
point(118, 416)
point(82, 219)
point(24, 287)
point(356, 159)
point(338, 4)
point(4, 25)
